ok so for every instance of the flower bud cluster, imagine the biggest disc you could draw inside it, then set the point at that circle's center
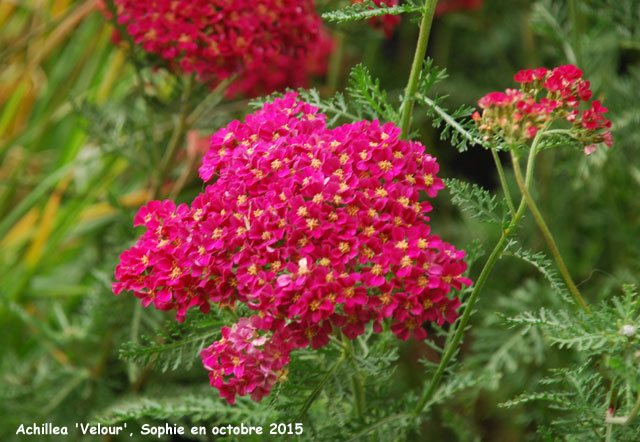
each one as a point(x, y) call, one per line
point(315, 229)
point(270, 44)
point(518, 115)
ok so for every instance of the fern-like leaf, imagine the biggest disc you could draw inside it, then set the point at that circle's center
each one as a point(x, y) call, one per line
point(474, 199)
point(365, 91)
point(176, 346)
point(456, 126)
point(544, 265)
point(368, 9)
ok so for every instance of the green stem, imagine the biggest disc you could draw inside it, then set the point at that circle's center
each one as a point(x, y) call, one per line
point(134, 370)
point(479, 284)
point(503, 182)
point(609, 433)
point(625, 420)
point(416, 67)
point(547, 234)
point(359, 396)
point(335, 63)
point(174, 143)
point(557, 131)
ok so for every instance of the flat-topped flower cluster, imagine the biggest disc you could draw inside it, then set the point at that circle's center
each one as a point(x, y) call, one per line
point(270, 44)
point(315, 229)
point(517, 115)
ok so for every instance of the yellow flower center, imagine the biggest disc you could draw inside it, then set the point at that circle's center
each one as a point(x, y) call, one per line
point(312, 223)
point(381, 192)
point(385, 165)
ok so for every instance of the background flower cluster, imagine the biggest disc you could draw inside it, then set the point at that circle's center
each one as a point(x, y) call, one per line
point(517, 115)
point(269, 44)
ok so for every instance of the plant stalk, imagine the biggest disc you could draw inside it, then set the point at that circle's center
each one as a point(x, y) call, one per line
point(359, 396)
point(503, 182)
point(335, 63)
point(479, 284)
point(134, 369)
point(547, 235)
point(625, 420)
point(416, 67)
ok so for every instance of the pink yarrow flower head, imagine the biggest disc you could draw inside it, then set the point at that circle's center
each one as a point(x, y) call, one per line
point(315, 229)
point(247, 361)
point(269, 44)
point(517, 115)
point(387, 23)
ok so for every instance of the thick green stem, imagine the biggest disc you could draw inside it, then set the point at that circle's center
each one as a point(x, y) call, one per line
point(547, 235)
point(451, 348)
point(416, 67)
point(359, 398)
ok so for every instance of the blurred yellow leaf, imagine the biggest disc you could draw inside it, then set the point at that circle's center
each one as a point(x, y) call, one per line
point(5, 10)
point(22, 228)
point(47, 221)
point(111, 76)
point(59, 7)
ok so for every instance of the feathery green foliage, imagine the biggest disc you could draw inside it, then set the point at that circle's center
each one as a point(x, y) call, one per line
point(365, 92)
point(475, 200)
point(368, 9)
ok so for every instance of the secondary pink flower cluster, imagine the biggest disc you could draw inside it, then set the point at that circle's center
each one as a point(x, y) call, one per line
point(271, 44)
point(315, 229)
point(517, 115)
point(252, 363)
point(446, 6)
point(386, 23)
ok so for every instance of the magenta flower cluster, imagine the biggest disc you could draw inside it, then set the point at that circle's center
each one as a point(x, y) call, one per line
point(314, 229)
point(517, 115)
point(269, 44)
